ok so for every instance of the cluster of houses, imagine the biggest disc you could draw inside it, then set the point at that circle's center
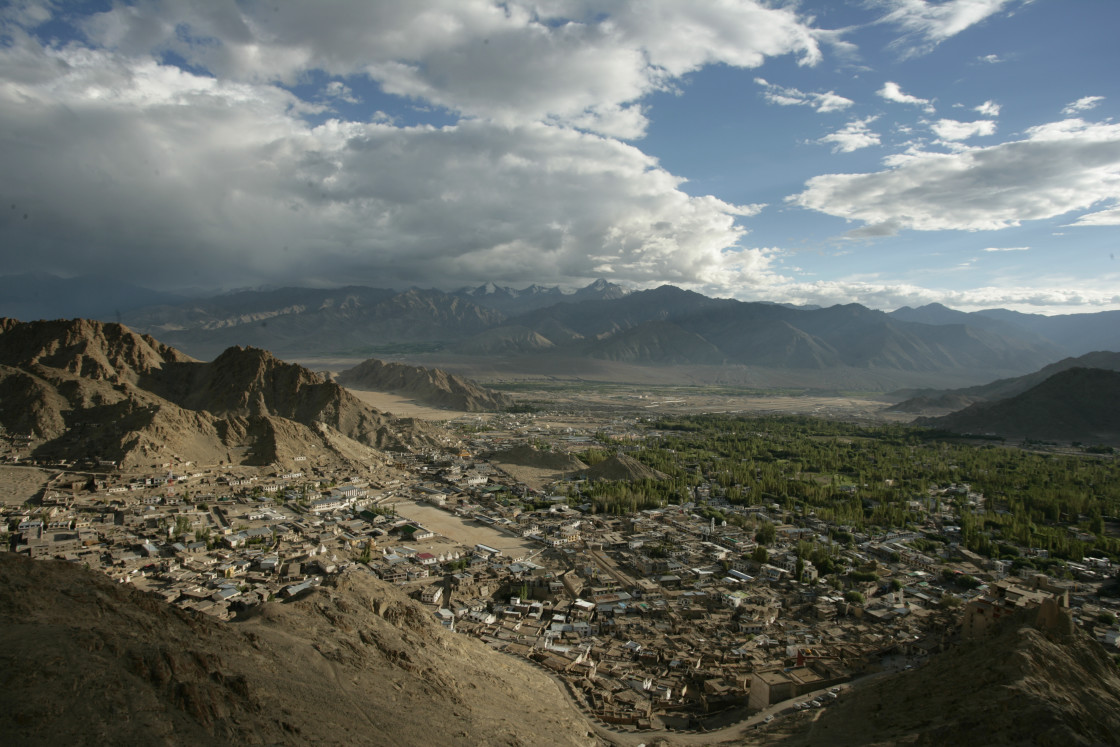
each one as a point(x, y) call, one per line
point(661, 617)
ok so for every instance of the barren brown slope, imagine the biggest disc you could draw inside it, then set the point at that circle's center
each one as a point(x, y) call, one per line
point(86, 661)
point(432, 386)
point(1033, 683)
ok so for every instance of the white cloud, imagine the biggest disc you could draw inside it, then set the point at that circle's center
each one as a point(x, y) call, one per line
point(1056, 299)
point(185, 179)
point(336, 89)
point(1085, 103)
point(951, 129)
point(891, 91)
point(1007, 249)
point(854, 136)
point(1059, 167)
point(990, 59)
point(988, 109)
point(1109, 217)
point(519, 61)
point(926, 24)
point(822, 102)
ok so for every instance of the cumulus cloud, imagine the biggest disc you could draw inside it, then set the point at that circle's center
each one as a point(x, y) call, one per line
point(891, 91)
point(214, 173)
point(122, 161)
point(822, 102)
point(926, 24)
point(1083, 104)
point(951, 129)
point(563, 62)
point(1057, 168)
point(988, 109)
point(854, 136)
point(990, 59)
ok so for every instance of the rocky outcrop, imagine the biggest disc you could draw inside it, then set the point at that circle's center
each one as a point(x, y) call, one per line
point(87, 389)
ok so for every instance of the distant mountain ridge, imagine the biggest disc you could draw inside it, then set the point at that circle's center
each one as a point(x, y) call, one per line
point(665, 326)
point(44, 296)
point(511, 301)
point(431, 386)
point(1077, 334)
point(301, 320)
point(93, 390)
point(668, 324)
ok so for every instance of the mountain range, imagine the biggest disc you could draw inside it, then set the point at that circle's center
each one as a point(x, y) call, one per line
point(87, 389)
point(603, 325)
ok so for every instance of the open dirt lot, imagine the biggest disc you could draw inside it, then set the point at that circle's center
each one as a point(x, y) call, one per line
point(402, 407)
point(467, 533)
point(19, 484)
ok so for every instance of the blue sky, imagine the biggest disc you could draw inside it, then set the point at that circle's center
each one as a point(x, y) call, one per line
point(885, 152)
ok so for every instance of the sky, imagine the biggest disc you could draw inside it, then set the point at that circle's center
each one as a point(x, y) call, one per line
point(882, 152)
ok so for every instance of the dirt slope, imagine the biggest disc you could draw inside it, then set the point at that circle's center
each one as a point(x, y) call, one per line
point(86, 661)
point(1032, 683)
point(622, 467)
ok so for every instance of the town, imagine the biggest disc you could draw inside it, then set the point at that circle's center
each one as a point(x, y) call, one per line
point(694, 613)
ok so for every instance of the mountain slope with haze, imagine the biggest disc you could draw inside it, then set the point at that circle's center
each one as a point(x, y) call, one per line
point(1077, 404)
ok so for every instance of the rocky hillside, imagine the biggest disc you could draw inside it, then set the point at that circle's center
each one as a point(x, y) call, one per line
point(92, 390)
point(85, 348)
point(432, 386)
point(1038, 681)
point(87, 661)
point(1078, 404)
